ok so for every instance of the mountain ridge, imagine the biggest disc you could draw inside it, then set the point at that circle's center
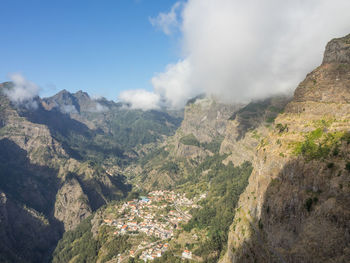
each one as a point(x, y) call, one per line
point(274, 172)
point(299, 184)
point(70, 184)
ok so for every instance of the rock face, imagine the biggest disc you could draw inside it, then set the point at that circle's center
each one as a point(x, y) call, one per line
point(210, 128)
point(246, 127)
point(199, 136)
point(206, 120)
point(338, 51)
point(72, 205)
point(296, 207)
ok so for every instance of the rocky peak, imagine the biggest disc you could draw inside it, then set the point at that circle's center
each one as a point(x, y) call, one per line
point(63, 95)
point(295, 206)
point(206, 118)
point(338, 51)
point(82, 97)
point(63, 100)
point(6, 85)
point(81, 93)
point(330, 82)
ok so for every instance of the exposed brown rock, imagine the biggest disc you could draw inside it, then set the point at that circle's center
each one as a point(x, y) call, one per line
point(338, 51)
point(72, 205)
point(294, 209)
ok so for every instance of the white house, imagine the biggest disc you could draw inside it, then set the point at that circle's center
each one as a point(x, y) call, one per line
point(187, 254)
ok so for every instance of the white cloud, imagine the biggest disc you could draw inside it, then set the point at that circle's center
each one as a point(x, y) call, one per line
point(243, 50)
point(167, 22)
point(23, 92)
point(174, 85)
point(140, 99)
point(68, 109)
point(97, 107)
point(100, 108)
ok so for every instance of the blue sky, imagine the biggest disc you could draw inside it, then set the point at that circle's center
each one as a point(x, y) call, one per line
point(99, 46)
point(231, 49)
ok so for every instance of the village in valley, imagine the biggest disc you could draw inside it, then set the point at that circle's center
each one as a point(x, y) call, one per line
point(154, 218)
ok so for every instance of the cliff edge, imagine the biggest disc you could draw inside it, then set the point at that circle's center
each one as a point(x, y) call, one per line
point(296, 207)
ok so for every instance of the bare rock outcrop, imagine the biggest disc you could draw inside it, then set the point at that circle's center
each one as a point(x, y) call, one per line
point(296, 207)
point(72, 205)
point(338, 51)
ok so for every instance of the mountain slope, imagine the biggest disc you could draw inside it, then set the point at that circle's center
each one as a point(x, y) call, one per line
point(296, 205)
point(60, 161)
point(198, 137)
point(44, 190)
point(112, 123)
point(210, 130)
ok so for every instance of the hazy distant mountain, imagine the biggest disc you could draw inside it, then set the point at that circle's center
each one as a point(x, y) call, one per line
point(114, 123)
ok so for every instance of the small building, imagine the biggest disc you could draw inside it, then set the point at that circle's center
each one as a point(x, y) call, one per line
point(124, 229)
point(187, 254)
point(144, 199)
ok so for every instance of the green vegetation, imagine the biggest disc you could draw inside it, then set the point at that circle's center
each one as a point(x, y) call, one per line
point(347, 166)
point(168, 257)
point(270, 119)
point(133, 127)
point(310, 202)
point(210, 163)
point(190, 139)
point(218, 209)
point(323, 123)
point(83, 247)
point(281, 128)
point(275, 109)
point(213, 146)
point(330, 165)
point(117, 131)
point(170, 167)
point(159, 153)
point(256, 135)
point(319, 144)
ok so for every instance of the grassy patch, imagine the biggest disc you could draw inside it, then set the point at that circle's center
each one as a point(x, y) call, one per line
point(190, 139)
point(318, 144)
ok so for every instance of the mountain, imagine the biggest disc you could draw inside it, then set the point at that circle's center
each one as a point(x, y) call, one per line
point(57, 167)
point(275, 176)
point(296, 205)
point(196, 161)
point(210, 130)
point(266, 181)
point(115, 123)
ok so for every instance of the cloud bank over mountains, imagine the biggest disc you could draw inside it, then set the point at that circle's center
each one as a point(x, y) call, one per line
point(141, 99)
point(23, 91)
point(242, 50)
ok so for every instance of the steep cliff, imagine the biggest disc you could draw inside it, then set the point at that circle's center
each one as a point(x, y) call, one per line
point(296, 205)
point(210, 130)
point(199, 137)
point(72, 205)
